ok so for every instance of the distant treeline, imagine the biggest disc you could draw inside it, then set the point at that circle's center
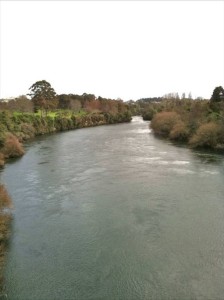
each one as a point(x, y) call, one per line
point(86, 102)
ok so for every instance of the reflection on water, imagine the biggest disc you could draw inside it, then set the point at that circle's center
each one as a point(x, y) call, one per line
point(206, 157)
point(112, 212)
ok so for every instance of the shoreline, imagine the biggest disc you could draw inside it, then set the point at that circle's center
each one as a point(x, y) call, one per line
point(28, 126)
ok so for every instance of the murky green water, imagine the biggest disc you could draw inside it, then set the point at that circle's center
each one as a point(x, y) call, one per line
point(112, 212)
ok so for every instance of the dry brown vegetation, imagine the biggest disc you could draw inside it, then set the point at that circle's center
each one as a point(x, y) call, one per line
point(12, 147)
point(179, 131)
point(164, 122)
point(2, 161)
point(207, 135)
point(5, 219)
point(5, 200)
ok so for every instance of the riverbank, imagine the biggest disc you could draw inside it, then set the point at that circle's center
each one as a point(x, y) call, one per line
point(5, 220)
point(196, 123)
point(169, 125)
point(17, 128)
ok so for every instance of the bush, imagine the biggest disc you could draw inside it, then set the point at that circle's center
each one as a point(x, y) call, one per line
point(2, 138)
point(5, 200)
point(163, 123)
point(179, 131)
point(5, 218)
point(28, 130)
point(2, 161)
point(12, 146)
point(148, 114)
point(207, 135)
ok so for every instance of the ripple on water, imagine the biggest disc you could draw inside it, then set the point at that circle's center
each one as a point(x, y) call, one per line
point(182, 171)
point(141, 131)
point(180, 162)
point(208, 172)
point(123, 216)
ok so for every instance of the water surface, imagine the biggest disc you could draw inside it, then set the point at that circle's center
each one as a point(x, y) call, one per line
point(111, 212)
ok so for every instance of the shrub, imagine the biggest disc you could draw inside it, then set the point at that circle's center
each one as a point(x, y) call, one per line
point(207, 135)
point(12, 146)
point(5, 218)
point(148, 114)
point(163, 123)
point(2, 138)
point(28, 130)
point(2, 162)
point(179, 131)
point(5, 200)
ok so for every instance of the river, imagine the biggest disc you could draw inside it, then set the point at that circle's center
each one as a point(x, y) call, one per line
point(112, 212)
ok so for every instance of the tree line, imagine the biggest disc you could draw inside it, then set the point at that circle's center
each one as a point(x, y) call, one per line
point(44, 99)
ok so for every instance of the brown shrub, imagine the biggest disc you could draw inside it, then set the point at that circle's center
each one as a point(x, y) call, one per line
point(12, 146)
point(5, 200)
point(5, 219)
point(4, 227)
point(207, 135)
point(162, 123)
point(28, 130)
point(2, 161)
point(179, 131)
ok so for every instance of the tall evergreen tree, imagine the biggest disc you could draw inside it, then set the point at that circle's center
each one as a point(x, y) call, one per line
point(43, 96)
point(218, 94)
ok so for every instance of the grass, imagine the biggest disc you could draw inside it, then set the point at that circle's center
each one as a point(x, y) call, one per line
point(53, 114)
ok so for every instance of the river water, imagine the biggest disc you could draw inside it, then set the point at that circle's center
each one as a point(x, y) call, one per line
point(112, 212)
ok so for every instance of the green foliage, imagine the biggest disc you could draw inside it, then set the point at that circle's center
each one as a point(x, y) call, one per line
point(2, 138)
point(198, 122)
point(218, 94)
point(43, 96)
point(27, 125)
point(148, 114)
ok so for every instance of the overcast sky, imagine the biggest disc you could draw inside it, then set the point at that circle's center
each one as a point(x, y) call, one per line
point(113, 49)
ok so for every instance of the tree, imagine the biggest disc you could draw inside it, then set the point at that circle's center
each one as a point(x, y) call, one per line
point(75, 105)
point(23, 104)
point(218, 94)
point(43, 96)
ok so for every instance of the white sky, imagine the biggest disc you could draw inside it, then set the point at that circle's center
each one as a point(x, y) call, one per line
point(126, 49)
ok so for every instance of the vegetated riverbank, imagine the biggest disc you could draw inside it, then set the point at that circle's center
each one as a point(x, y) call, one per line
point(5, 219)
point(17, 128)
point(197, 123)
